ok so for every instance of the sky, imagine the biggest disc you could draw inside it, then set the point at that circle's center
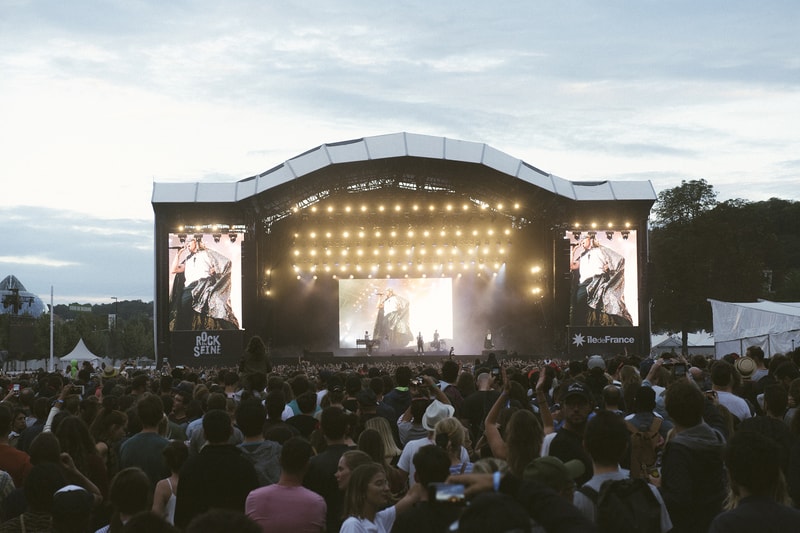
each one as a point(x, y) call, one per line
point(100, 99)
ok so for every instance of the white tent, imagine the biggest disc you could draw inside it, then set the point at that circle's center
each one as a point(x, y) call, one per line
point(80, 353)
point(774, 326)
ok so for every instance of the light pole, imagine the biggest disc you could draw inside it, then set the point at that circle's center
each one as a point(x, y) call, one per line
point(116, 309)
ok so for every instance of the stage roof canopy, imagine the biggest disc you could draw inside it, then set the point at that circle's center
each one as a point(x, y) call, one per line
point(396, 145)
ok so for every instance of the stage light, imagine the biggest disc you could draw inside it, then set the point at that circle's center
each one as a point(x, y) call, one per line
point(516, 206)
point(499, 207)
point(363, 208)
point(346, 234)
point(594, 225)
point(415, 207)
point(330, 209)
point(198, 237)
point(592, 234)
point(381, 208)
point(449, 207)
point(216, 237)
point(347, 209)
point(609, 235)
point(576, 235)
point(313, 252)
point(328, 234)
point(625, 234)
point(182, 237)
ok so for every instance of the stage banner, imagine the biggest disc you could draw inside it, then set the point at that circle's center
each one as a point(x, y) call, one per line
point(585, 341)
point(206, 348)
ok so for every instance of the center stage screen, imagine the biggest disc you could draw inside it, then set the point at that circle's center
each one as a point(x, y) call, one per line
point(604, 278)
point(205, 282)
point(393, 312)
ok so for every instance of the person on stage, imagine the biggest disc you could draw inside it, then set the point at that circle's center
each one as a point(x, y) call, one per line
point(201, 289)
point(420, 344)
point(392, 320)
point(599, 298)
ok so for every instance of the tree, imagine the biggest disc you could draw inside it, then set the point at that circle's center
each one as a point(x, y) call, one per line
point(681, 205)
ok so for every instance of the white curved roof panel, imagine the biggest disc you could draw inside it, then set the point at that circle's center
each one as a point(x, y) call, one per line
point(401, 145)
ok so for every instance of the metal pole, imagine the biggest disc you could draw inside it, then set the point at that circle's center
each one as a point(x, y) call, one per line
point(52, 313)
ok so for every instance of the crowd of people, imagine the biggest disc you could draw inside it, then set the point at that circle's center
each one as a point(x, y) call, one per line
point(604, 444)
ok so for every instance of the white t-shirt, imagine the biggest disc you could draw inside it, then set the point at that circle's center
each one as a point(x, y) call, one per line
point(735, 404)
point(383, 523)
point(406, 463)
point(197, 266)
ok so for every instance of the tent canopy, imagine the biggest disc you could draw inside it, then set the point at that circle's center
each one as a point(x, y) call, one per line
point(80, 353)
point(774, 326)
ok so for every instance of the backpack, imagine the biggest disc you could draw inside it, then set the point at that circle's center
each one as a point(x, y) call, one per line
point(625, 506)
point(644, 448)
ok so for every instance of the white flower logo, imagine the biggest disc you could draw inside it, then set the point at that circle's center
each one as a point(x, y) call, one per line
point(577, 340)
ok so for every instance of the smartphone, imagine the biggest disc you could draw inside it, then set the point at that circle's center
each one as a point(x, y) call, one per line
point(496, 371)
point(679, 369)
point(76, 389)
point(15, 388)
point(447, 493)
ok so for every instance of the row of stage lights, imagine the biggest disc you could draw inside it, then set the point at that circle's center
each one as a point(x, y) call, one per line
point(391, 251)
point(479, 269)
point(394, 233)
point(592, 230)
point(216, 230)
point(449, 207)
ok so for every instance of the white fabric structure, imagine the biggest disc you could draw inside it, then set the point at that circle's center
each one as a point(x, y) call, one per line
point(80, 353)
point(774, 326)
point(699, 343)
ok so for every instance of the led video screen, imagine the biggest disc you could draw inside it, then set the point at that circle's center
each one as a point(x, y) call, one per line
point(392, 313)
point(604, 278)
point(205, 281)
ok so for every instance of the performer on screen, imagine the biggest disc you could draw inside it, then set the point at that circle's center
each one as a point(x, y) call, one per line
point(201, 289)
point(599, 299)
point(392, 320)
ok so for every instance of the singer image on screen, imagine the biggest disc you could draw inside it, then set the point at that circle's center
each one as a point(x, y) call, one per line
point(599, 298)
point(392, 320)
point(201, 290)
